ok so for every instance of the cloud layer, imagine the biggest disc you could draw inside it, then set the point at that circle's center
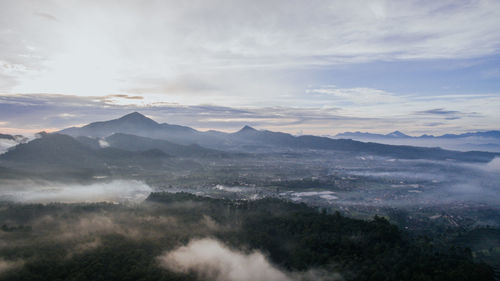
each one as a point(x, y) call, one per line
point(212, 47)
point(389, 60)
point(28, 114)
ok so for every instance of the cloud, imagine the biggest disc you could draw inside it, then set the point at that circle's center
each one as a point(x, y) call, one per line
point(212, 260)
point(493, 165)
point(433, 124)
point(40, 192)
point(448, 114)
point(207, 46)
point(51, 111)
point(120, 99)
point(438, 111)
point(6, 265)
point(103, 143)
point(5, 144)
point(352, 109)
point(245, 56)
point(46, 16)
point(358, 96)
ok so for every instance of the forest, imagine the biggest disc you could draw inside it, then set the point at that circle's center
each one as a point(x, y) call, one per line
point(170, 236)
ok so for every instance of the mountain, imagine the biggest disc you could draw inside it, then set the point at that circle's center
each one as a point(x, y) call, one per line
point(398, 134)
point(9, 141)
point(362, 135)
point(129, 128)
point(64, 155)
point(484, 141)
point(53, 149)
point(130, 123)
point(133, 123)
point(246, 130)
point(485, 134)
point(7, 137)
point(250, 139)
point(138, 143)
point(140, 125)
point(249, 135)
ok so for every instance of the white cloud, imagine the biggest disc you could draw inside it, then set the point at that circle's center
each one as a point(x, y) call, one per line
point(5, 144)
point(57, 47)
point(493, 165)
point(103, 143)
point(67, 115)
point(212, 260)
point(358, 96)
point(116, 191)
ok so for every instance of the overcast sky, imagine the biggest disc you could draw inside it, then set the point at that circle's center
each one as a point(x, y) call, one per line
point(315, 67)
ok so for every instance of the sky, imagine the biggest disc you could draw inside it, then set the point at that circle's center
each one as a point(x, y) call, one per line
point(303, 67)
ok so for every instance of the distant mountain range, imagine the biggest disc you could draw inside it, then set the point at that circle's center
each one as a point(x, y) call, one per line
point(400, 135)
point(248, 139)
point(137, 143)
point(481, 141)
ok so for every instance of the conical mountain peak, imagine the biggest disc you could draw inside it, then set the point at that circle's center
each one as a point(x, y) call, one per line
point(247, 128)
point(136, 117)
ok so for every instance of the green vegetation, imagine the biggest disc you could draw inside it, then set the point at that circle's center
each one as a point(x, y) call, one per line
point(104, 241)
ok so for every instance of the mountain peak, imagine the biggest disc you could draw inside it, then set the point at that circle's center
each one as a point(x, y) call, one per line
point(247, 128)
point(136, 117)
point(133, 115)
point(396, 134)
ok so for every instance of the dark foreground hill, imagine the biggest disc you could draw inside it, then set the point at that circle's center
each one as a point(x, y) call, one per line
point(118, 242)
point(57, 156)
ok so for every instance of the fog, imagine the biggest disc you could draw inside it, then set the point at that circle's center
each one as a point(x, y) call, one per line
point(45, 192)
point(460, 144)
point(214, 261)
point(103, 143)
point(494, 165)
point(5, 144)
point(9, 265)
point(296, 196)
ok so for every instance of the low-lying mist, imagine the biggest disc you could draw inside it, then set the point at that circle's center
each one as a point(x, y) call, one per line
point(493, 165)
point(210, 259)
point(46, 192)
point(5, 144)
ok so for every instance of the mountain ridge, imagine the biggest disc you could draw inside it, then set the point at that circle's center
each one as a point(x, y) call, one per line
point(249, 139)
point(398, 134)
